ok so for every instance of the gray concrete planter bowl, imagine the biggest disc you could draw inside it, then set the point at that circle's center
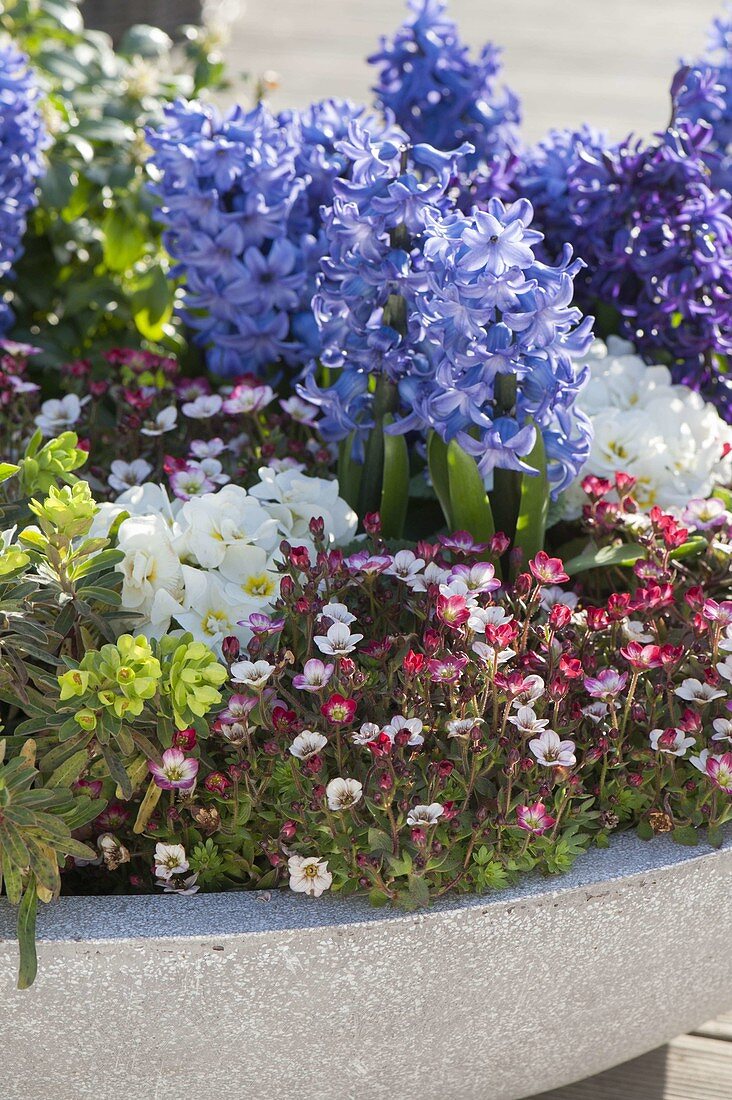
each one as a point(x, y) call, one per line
point(237, 997)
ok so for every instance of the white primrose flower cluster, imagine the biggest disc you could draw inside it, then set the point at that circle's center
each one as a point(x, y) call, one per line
point(207, 564)
point(664, 435)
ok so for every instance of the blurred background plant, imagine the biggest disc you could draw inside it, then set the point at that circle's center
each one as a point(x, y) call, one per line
point(94, 266)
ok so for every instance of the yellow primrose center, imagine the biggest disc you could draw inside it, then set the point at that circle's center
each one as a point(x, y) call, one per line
point(259, 584)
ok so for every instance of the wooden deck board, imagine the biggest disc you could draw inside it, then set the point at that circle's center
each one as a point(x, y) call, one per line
point(692, 1067)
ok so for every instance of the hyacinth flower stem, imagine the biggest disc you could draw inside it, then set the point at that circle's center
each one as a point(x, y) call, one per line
point(506, 493)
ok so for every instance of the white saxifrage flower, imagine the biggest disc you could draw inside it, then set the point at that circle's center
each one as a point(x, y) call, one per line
point(343, 793)
point(307, 744)
point(126, 475)
point(671, 741)
point(551, 751)
point(170, 859)
point(694, 691)
point(337, 640)
point(60, 413)
point(254, 674)
point(165, 421)
point(425, 815)
point(309, 875)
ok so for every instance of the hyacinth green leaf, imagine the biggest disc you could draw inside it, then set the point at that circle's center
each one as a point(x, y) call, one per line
point(27, 936)
point(469, 504)
point(534, 505)
point(395, 484)
point(604, 557)
point(349, 472)
point(437, 462)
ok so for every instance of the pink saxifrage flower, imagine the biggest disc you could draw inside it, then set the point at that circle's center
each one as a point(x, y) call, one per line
point(534, 818)
point(176, 772)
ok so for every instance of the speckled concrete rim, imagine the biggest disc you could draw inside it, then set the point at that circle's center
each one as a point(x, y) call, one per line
point(120, 917)
point(272, 997)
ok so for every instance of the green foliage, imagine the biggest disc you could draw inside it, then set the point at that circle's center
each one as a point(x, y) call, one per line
point(94, 270)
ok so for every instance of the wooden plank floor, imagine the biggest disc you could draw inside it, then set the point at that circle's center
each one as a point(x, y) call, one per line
point(571, 61)
point(692, 1067)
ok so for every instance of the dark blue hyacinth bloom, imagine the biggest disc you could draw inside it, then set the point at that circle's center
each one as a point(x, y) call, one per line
point(22, 140)
point(441, 96)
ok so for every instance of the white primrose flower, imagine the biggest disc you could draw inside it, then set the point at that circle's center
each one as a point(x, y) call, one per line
point(694, 691)
point(213, 523)
point(60, 413)
point(661, 741)
point(337, 640)
point(203, 407)
point(307, 744)
point(309, 875)
point(170, 859)
point(343, 793)
point(207, 610)
point(250, 578)
point(425, 815)
point(551, 751)
point(664, 435)
point(254, 674)
point(294, 500)
point(150, 568)
point(165, 421)
point(126, 475)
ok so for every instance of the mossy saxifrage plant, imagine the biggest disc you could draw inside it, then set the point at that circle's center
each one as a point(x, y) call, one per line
point(400, 723)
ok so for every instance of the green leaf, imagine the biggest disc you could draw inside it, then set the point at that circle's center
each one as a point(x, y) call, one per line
point(605, 556)
point(534, 505)
point(124, 241)
point(152, 303)
point(437, 462)
point(419, 891)
point(690, 548)
point(395, 484)
point(349, 472)
point(117, 771)
point(66, 773)
point(7, 470)
point(378, 898)
point(27, 936)
point(469, 504)
point(687, 835)
point(644, 830)
point(715, 836)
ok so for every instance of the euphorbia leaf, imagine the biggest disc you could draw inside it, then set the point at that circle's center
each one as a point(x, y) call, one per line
point(27, 936)
point(469, 504)
point(147, 806)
